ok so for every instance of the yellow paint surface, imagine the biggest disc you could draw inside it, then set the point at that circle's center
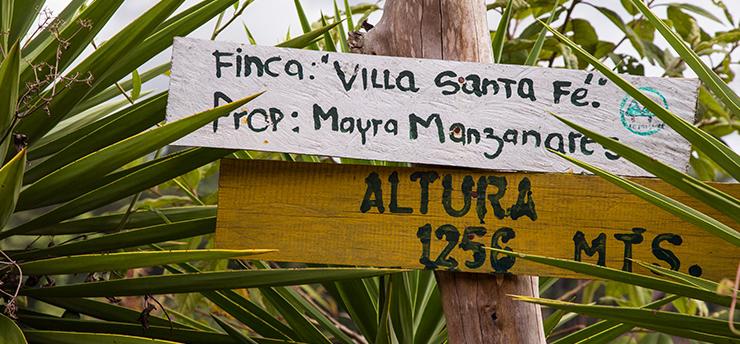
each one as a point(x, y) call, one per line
point(311, 213)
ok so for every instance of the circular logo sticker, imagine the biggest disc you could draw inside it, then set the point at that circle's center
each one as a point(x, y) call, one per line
point(637, 118)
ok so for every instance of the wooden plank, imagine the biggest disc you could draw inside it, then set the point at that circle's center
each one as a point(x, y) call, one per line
point(476, 306)
point(315, 213)
point(419, 110)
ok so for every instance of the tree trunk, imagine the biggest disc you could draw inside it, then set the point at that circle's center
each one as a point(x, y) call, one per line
point(476, 306)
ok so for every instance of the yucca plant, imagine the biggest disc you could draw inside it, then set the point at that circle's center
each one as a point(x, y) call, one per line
point(81, 140)
point(719, 327)
point(106, 230)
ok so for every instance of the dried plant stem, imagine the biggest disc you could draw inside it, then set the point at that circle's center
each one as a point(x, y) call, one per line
point(574, 291)
point(733, 305)
point(11, 306)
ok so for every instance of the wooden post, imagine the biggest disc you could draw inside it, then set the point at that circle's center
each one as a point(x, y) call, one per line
point(476, 306)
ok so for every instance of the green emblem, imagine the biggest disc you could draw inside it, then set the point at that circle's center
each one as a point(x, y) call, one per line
point(637, 118)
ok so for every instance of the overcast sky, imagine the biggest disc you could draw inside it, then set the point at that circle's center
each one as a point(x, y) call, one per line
point(269, 20)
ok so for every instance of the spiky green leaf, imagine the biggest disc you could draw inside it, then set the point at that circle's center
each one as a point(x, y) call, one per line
point(709, 145)
point(11, 178)
point(188, 283)
point(666, 203)
point(126, 260)
point(623, 276)
point(501, 31)
point(10, 332)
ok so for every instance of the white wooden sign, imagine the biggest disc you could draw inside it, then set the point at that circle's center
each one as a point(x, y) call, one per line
point(417, 110)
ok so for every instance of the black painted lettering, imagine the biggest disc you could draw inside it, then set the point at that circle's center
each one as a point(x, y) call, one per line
point(533, 133)
point(386, 80)
point(267, 66)
point(257, 62)
point(495, 199)
point(629, 239)
point(415, 120)
point(391, 127)
point(598, 246)
point(480, 196)
point(525, 89)
point(507, 85)
point(585, 141)
point(217, 97)
point(373, 190)
point(560, 144)
point(467, 188)
point(376, 125)
point(609, 154)
point(251, 122)
point(294, 68)
point(472, 85)
point(510, 136)
point(452, 236)
point(393, 206)
point(363, 129)
point(473, 136)
point(479, 252)
point(503, 264)
point(572, 137)
point(374, 79)
point(221, 64)
point(346, 83)
point(664, 254)
point(238, 62)
point(275, 117)
point(559, 90)
point(424, 178)
point(406, 77)
point(524, 205)
point(424, 233)
point(319, 114)
point(347, 125)
point(238, 118)
point(578, 95)
point(499, 148)
point(489, 82)
point(453, 85)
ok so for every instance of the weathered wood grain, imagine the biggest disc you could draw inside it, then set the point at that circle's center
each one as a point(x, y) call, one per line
point(481, 310)
point(476, 307)
point(383, 116)
point(312, 213)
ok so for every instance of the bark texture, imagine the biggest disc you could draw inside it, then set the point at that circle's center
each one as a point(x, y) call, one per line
point(476, 306)
point(479, 309)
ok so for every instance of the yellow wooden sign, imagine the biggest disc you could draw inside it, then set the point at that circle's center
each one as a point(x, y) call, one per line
point(442, 218)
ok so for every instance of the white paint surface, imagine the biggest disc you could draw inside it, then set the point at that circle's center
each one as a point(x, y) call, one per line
point(194, 82)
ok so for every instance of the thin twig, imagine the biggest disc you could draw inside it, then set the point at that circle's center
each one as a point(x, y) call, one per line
point(193, 197)
point(164, 310)
point(10, 307)
point(217, 29)
point(9, 130)
point(733, 304)
point(729, 53)
point(128, 212)
point(574, 291)
point(38, 94)
point(567, 330)
point(48, 16)
point(562, 28)
point(118, 85)
point(354, 335)
point(134, 200)
point(81, 236)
